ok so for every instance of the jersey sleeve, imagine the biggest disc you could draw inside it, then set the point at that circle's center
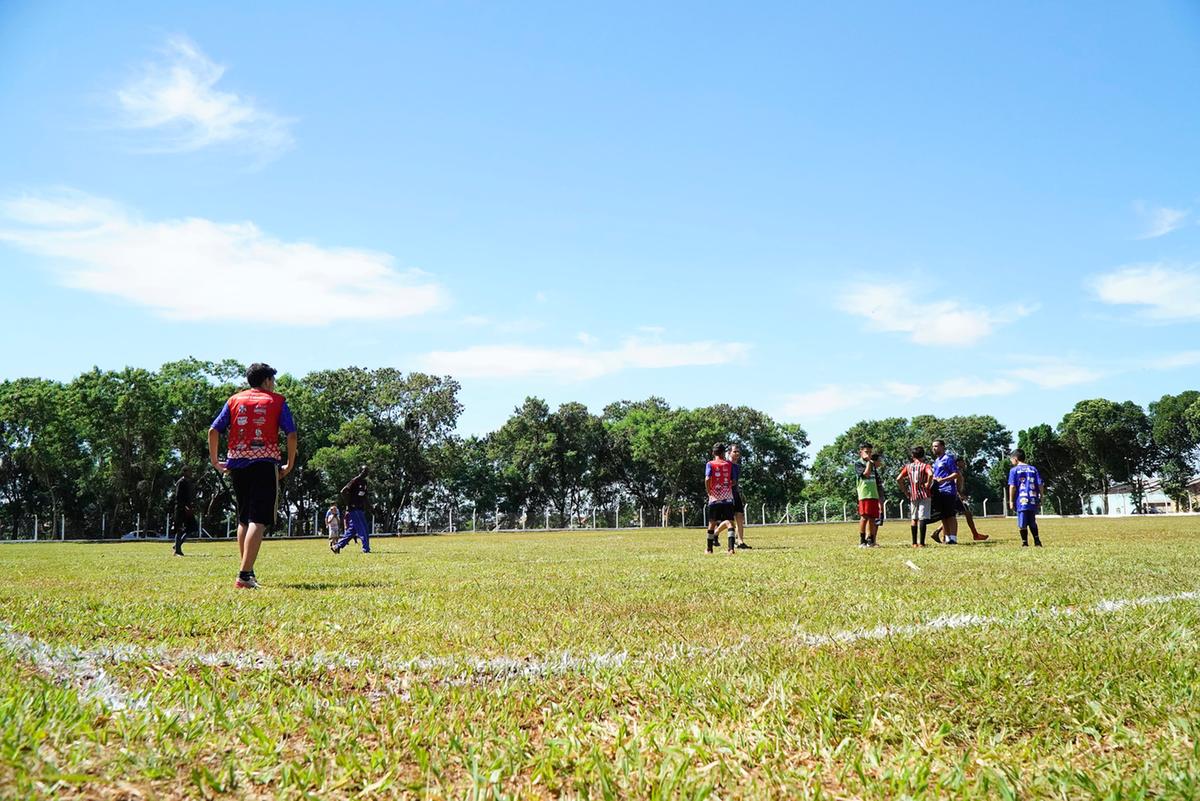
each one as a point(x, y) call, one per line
point(1012, 477)
point(708, 469)
point(285, 420)
point(221, 423)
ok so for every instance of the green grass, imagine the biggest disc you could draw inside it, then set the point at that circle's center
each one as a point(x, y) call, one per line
point(714, 692)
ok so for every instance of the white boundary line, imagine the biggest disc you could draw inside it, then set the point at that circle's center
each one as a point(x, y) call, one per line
point(82, 668)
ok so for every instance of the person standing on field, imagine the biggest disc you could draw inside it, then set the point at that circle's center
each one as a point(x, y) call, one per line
point(1025, 487)
point(333, 523)
point(868, 496)
point(184, 508)
point(945, 493)
point(718, 485)
point(356, 498)
point(739, 505)
point(253, 419)
point(915, 479)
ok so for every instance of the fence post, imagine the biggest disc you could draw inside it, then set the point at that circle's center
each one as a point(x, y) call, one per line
point(985, 507)
point(473, 527)
point(787, 513)
point(845, 514)
point(139, 523)
point(227, 525)
point(451, 518)
point(547, 511)
point(103, 523)
point(497, 518)
point(35, 528)
point(289, 524)
point(200, 526)
point(593, 517)
point(617, 519)
point(764, 514)
point(824, 511)
point(683, 517)
point(806, 511)
point(642, 520)
point(167, 527)
point(62, 528)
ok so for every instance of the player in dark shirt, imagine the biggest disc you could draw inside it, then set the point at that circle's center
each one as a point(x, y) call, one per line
point(355, 500)
point(184, 508)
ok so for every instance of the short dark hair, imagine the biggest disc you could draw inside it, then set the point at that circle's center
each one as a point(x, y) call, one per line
point(259, 372)
point(718, 449)
point(862, 445)
point(917, 452)
point(878, 457)
point(941, 442)
point(1020, 454)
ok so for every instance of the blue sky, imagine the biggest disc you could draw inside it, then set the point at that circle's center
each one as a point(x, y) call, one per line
point(827, 214)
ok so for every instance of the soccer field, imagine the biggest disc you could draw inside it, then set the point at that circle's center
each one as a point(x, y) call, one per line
point(609, 665)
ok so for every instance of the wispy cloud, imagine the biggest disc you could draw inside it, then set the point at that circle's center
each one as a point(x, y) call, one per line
point(1055, 373)
point(1175, 361)
point(175, 100)
point(578, 363)
point(1165, 292)
point(832, 398)
point(943, 323)
point(194, 269)
point(1159, 220)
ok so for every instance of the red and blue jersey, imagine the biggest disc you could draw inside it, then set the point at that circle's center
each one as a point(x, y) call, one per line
point(720, 475)
point(253, 419)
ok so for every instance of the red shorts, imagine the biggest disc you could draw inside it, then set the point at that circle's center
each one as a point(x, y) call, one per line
point(869, 508)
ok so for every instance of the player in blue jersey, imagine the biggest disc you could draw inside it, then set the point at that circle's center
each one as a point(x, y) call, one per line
point(945, 492)
point(1025, 488)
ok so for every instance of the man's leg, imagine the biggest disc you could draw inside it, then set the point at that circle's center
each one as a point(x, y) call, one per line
point(180, 533)
point(1033, 527)
point(252, 542)
point(975, 535)
point(862, 530)
point(950, 526)
point(241, 538)
point(913, 528)
point(364, 532)
point(872, 530)
point(740, 519)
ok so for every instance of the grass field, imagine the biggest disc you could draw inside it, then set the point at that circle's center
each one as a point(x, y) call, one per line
point(609, 665)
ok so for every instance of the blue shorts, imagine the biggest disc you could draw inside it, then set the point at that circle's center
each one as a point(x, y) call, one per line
point(1024, 519)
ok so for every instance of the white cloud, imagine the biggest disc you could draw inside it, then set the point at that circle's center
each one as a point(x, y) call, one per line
point(1160, 220)
point(177, 98)
point(971, 387)
point(944, 323)
point(837, 398)
point(1056, 374)
point(1174, 361)
point(1166, 292)
point(193, 268)
point(826, 400)
point(577, 363)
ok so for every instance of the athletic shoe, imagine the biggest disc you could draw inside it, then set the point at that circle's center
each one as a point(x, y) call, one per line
point(1024, 544)
point(246, 584)
point(979, 537)
point(1037, 543)
point(179, 553)
point(743, 546)
point(952, 541)
point(334, 548)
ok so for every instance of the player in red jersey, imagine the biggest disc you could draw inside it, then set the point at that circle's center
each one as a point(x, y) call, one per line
point(253, 419)
point(718, 484)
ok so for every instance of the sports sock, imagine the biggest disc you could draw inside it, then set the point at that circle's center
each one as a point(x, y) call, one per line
point(924, 524)
point(245, 574)
point(1034, 528)
point(914, 533)
point(732, 540)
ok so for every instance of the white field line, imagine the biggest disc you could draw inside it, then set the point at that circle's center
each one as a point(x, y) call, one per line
point(71, 666)
point(81, 668)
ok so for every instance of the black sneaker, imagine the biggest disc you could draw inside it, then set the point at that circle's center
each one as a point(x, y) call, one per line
point(1037, 543)
point(936, 537)
point(743, 546)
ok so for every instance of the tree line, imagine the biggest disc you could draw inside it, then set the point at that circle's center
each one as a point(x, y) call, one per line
point(105, 449)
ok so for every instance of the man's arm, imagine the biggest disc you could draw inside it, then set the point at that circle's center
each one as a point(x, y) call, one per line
point(292, 442)
point(900, 477)
point(214, 442)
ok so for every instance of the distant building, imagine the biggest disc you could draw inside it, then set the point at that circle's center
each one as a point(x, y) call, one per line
point(1120, 499)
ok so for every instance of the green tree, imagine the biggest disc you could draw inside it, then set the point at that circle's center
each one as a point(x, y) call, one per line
point(1178, 442)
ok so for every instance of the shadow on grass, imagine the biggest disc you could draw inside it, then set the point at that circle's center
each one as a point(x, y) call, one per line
point(335, 585)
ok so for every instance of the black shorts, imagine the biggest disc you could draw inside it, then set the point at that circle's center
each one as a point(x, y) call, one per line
point(944, 506)
point(721, 512)
point(739, 506)
point(256, 487)
point(187, 523)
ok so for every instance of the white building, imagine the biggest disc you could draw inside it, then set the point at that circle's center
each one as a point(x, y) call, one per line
point(1120, 499)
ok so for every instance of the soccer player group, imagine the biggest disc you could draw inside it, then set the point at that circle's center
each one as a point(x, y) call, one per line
point(935, 492)
point(253, 419)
